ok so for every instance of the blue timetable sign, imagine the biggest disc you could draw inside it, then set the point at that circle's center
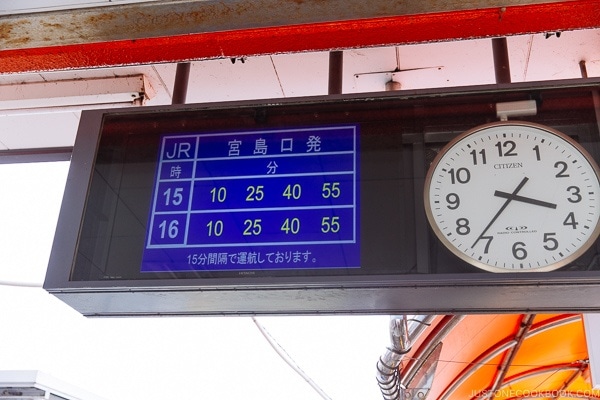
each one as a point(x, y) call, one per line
point(255, 200)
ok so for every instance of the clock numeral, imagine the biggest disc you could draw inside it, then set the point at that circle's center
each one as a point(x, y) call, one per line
point(519, 251)
point(487, 245)
point(461, 175)
point(551, 243)
point(481, 153)
point(537, 152)
point(506, 149)
point(576, 197)
point(453, 201)
point(462, 226)
point(570, 220)
point(563, 168)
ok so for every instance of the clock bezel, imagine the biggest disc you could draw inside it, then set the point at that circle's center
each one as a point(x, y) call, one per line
point(476, 263)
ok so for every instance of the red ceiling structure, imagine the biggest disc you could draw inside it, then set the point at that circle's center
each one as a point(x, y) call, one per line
point(156, 32)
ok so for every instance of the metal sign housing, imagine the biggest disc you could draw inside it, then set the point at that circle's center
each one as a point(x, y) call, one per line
point(293, 206)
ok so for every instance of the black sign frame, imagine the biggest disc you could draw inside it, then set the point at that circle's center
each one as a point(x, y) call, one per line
point(454, 289)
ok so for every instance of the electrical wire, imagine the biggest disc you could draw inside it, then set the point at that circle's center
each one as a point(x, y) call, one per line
point(288, 359)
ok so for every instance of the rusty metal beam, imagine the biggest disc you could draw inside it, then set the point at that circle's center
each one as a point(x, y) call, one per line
point(173, 31)
point(170, 18)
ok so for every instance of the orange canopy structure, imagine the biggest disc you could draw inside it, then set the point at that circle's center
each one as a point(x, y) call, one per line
point(502, 357)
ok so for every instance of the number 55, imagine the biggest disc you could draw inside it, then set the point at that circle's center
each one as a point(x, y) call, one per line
point(330, 224)
point(331, 189)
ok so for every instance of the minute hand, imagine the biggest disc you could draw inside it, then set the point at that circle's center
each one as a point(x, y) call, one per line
point(506, 203)
point(524, 199)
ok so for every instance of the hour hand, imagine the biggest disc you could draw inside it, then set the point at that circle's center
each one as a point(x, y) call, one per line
point(523, 199)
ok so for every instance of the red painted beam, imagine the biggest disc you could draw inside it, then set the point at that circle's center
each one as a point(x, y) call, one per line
point(405, 29)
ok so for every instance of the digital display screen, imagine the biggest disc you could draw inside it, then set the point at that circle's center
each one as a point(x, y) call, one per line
point(255, 200)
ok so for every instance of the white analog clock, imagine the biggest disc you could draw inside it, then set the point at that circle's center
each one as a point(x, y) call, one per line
point(514, 197)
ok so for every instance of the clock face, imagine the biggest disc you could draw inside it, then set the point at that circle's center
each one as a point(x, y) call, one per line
point(514, 197)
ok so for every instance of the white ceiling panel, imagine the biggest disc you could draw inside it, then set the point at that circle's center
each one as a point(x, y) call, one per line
point(24, 131)
point(364, 69)
point(537, 58)
point(303, 74)
point(421, 66)
point(463, 63)
point(224, 80)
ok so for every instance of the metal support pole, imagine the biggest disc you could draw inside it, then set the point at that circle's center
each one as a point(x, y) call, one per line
point(583, 69)
point(501, 61)
point(182, 76)
point(336, 66)
point(595, 93)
